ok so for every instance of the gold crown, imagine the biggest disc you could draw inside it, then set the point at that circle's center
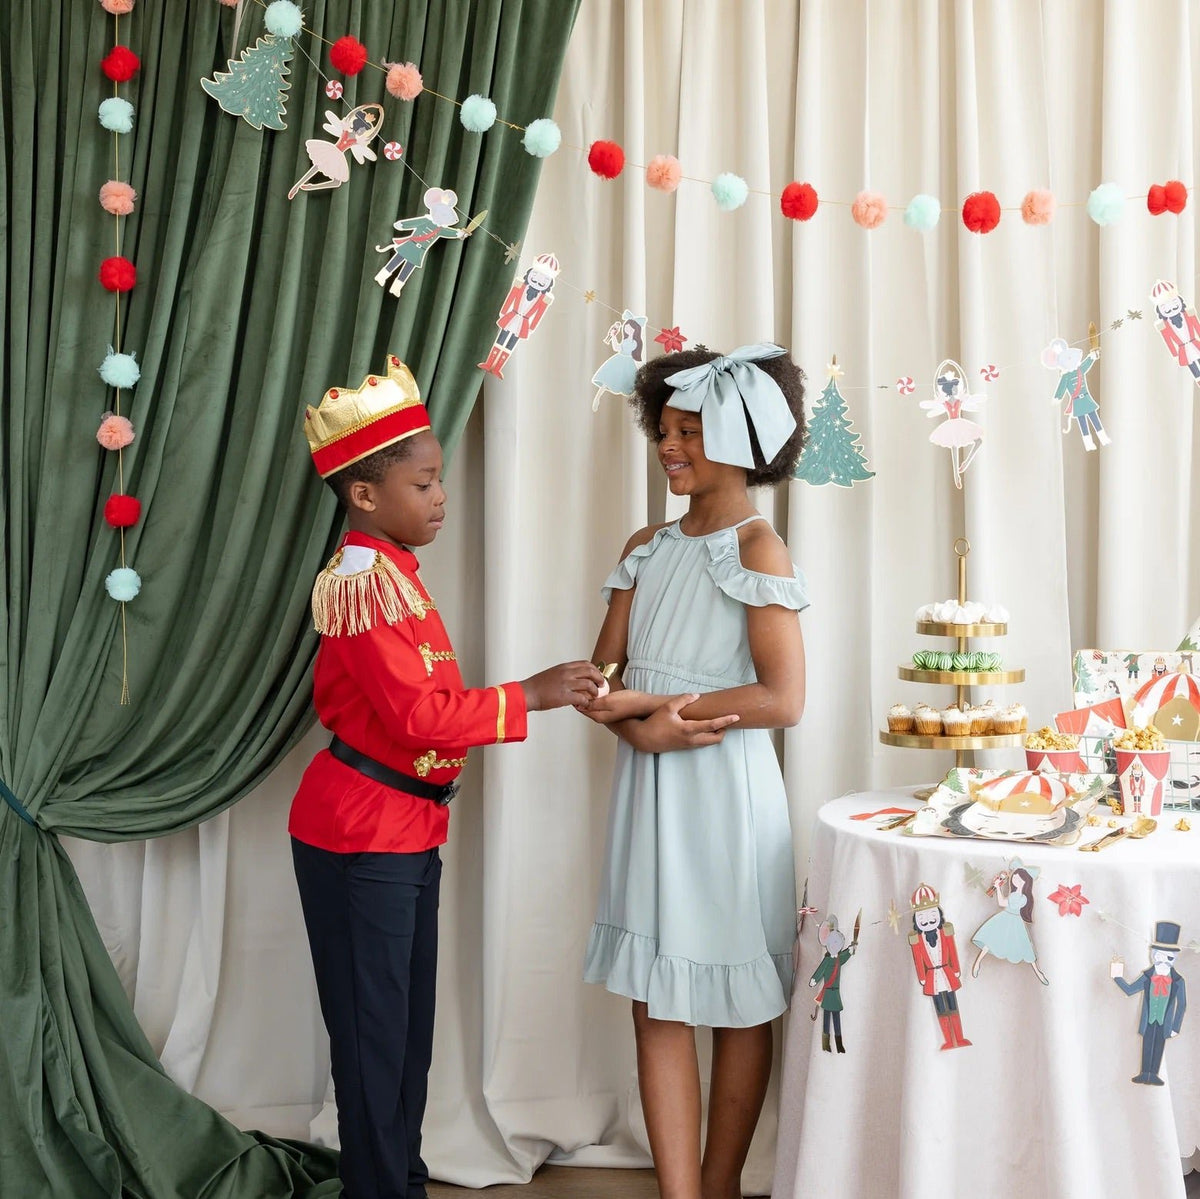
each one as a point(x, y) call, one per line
point(346, 410)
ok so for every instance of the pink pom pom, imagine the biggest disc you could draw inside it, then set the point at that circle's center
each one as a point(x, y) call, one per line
point(798, 202)
point(117, 197)
point(607, 159)
point(230, 3)
point(1038, 207)
point(348, 55)
point(981, 212)
point(118, 8)
point(664, 173)
point(869, 209)
point(404, 80)
point(115, 432)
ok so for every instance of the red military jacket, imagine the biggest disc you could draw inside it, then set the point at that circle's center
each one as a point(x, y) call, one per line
point(386, 682)
point(926, 970)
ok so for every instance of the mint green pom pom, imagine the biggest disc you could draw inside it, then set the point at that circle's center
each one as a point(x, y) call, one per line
point(1106, 204)
point(729, 191)
point(123, 584)
point(923, 213)
point(119, 370)
point(542, 137)
point(116, 114)
point(478, 114)
point(283, 18)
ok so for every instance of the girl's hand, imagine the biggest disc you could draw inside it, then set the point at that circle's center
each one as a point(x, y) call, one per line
point(620, 705)
point(664, 730)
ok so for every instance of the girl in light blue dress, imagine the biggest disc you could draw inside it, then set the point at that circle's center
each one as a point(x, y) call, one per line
point(1007, 934)
point(696, 916)
point(618, 373)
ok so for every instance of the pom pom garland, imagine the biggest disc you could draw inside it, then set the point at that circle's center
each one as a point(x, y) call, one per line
point(283, 18)
point(730, 191)
point(120, 370)
point(1038, 207)
point(118, 274)
point(798, 202)
point(404, 80)
point(122, 511)
point(606, 159)
point(117, 197)
point(348, 55)
point(115, 432)
point(981, 212)
point(118, 8)
point(1106, 204)
point(869, 209)
point(478, 114)
point(120, 64)
point(923, 212)
point(664, 173)
point(123, 584)
point(542, 138)
point(1168, 197)
point(230, 3)
point(116, 114)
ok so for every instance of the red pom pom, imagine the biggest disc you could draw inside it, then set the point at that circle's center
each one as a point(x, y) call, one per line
point(122, 511)
point(798, 202)
point(981, 212)
point(1176, 194)
point(118, 274)
point(1156, 199)
point(607, 159)
point(348, 55)
point(120, 64)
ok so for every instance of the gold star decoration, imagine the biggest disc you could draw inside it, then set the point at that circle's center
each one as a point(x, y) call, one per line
point(589, 296)
point(893, 917)
point(833, 370)
point(1117, 323)
point(1133, 314)
point(512, 251)
point(973, 876)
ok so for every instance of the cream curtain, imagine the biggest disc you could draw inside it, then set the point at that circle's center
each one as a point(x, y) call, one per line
point(1084, 549)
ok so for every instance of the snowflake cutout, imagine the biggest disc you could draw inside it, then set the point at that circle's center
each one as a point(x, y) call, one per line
point(512, 251)
point(1133, 314)
point(1070, 900)
point(1117, 323)
point(973, 876)
point(589, 296)
point(671, 339)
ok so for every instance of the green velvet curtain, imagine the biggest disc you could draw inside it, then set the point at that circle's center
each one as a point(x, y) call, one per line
point(247, 307)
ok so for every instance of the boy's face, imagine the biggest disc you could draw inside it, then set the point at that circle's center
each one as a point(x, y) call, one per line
point(409, 505)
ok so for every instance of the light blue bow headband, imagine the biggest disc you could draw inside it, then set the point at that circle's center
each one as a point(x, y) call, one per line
point(731, 394)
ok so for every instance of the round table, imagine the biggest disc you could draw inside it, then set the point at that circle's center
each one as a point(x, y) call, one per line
point(1041, 1104)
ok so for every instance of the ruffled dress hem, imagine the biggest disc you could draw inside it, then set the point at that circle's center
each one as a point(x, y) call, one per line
point(675, 988)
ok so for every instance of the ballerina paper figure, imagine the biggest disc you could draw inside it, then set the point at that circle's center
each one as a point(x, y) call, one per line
point(957, 434)
point(353, 132)
point(616, 374)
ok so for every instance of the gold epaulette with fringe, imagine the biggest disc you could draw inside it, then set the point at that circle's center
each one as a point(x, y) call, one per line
point(346, 604)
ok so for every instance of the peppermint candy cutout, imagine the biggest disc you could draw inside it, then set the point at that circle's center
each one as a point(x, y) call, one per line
point(392, 151)
point(905, 385)
point(334, 89)
point(990, 372)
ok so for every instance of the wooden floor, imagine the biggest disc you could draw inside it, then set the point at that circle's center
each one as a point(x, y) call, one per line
point(563, 1182)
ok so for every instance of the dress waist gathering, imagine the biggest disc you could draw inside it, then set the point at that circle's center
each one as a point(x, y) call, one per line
point(689, 679)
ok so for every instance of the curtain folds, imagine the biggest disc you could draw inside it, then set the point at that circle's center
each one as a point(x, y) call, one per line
point(247, 307)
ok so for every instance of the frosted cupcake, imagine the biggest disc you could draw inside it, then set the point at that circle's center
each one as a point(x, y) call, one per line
point(928, 721)
point(1022, 716)
point(956, 723)
point(900, 719)
point(1012, 719)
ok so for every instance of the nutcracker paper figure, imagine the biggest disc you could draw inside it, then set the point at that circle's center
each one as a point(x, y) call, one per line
point(957, 434)
point(526, 303)
point(829, 975)
point(353, 131)
point(1164, 999)
point(1081, 407)
point(1178, 325)
point(935, 956)
point(419, 234)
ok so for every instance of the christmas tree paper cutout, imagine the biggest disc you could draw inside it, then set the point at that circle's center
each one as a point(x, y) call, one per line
point(832, 453)
point(253, 87)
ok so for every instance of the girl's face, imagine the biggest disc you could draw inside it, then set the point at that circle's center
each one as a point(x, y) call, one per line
point(681, 452)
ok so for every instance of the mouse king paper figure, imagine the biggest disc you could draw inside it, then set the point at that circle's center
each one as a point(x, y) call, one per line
point(1081, 407)
point(935, 956)
point(829, 974)
point(419, 234)
point(1164, 999)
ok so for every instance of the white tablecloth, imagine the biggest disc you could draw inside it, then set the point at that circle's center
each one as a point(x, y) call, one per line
point(1042, 1104)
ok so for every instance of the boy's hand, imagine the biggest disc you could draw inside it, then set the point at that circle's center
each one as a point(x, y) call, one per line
point(569, 683)
point(665, 730)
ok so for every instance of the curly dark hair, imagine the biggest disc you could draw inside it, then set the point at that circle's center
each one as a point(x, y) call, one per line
point(370, 469)
point(651, 391)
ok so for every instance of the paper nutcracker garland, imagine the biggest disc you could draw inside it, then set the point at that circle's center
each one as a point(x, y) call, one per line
point(1178, 325)
point(527, 302)
point(1080, 407)
point(832, 452)
point(627, 338)
point(935, 958)
point(352, 133)
point(1164, 999)
point(1008, 934)
point(828, 976)
point(957, 434)
point(419, 234)
point(254, 85)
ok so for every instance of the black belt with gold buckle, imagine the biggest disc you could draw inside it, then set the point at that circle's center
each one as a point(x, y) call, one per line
point(397, 779)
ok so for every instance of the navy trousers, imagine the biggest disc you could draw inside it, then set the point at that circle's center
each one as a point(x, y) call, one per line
point(372, 929)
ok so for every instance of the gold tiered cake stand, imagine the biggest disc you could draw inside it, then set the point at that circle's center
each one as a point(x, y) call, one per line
point(961, 680)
